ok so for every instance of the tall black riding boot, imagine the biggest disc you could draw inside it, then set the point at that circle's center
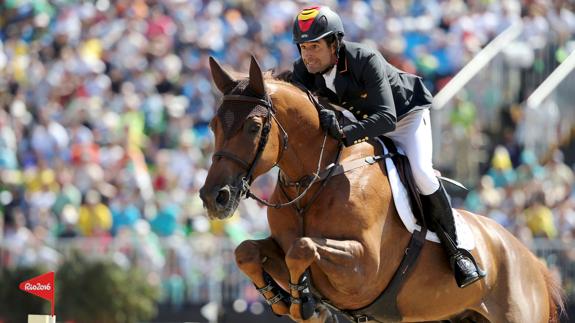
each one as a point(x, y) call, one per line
point(437, 209)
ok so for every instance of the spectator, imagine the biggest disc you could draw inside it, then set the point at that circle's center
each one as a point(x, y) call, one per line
point(8, 142)
point(68, 193)
point(69, 222)
point(560, 178)
point(539, 218)
point(125, 213)
point(501, 170)
point(17, 237)
point(167, 220)
point(529, 169)
point(95, 218)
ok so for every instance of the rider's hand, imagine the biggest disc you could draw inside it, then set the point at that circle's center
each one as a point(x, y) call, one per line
point(328, 122)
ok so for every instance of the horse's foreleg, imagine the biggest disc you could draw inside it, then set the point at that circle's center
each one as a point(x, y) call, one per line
point(298, 259)
point(335, 258)
point(263, 262)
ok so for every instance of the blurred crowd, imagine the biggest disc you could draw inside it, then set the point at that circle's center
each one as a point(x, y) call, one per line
point(530, 199)
point(105, 104)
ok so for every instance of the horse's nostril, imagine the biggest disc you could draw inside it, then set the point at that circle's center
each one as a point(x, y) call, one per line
point(203, 194)
point(223, 196)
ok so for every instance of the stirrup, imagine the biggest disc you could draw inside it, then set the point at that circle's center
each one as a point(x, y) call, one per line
point(465, 269)
point(306, 300)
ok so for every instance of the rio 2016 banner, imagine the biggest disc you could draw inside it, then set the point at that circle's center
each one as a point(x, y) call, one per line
point(42, 286)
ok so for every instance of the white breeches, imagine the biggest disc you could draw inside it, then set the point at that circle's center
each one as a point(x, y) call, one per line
point(413, 135)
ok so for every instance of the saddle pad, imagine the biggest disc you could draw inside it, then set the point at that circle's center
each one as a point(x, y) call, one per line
point(465, 237)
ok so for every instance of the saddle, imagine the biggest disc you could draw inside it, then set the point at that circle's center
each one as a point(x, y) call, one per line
point(400, 161)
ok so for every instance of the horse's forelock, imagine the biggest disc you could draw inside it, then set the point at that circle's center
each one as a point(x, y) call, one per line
point(232, 115)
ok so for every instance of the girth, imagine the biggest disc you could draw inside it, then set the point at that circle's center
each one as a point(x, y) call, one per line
point(384, 308)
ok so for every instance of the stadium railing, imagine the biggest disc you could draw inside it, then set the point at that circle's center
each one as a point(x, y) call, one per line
point(550, 111)
point(500, 77)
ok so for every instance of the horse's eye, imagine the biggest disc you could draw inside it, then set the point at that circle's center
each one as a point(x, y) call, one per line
point(252, 126)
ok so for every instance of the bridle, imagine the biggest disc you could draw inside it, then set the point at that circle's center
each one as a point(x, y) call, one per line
point(247, 179)
point(266, 103)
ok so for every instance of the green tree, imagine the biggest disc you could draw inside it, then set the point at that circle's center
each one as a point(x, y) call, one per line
point(102, 291)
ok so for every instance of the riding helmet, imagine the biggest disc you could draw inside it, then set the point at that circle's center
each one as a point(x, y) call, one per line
point(315, 23)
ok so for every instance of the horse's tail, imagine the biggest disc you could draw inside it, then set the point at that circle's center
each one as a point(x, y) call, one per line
point(556, 295)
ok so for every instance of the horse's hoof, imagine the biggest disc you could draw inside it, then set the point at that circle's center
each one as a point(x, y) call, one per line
point(325, 315)
point(307, 307)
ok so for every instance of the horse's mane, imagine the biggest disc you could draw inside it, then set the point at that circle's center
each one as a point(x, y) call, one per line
point(283, 77)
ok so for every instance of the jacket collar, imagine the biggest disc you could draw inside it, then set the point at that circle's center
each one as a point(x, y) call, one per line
point(342, 59)
point(340, 82)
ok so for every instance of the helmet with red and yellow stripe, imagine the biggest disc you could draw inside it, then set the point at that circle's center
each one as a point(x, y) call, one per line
point(315, 23)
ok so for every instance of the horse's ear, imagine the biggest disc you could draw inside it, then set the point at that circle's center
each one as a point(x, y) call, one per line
point(221, 78)
point(257, 78)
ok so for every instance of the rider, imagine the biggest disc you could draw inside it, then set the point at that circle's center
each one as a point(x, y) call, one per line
point(385, 101)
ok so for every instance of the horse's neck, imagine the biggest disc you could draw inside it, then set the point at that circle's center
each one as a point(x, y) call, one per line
point(300, 119)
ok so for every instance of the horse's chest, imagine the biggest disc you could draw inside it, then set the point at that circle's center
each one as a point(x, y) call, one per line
point(332, 225)
point(286, 229)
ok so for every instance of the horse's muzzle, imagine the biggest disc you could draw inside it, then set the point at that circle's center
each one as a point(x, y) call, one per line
point(220, 202)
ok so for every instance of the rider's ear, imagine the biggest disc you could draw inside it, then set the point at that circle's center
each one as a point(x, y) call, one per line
point(224, 82)
point(257, 78)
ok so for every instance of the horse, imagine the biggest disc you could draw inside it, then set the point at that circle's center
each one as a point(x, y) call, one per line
point(341, 237)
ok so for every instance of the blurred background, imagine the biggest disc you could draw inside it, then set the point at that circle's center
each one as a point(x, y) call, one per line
point(104, 107)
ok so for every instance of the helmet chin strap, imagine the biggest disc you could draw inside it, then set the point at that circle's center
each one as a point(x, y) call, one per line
point(337, 48)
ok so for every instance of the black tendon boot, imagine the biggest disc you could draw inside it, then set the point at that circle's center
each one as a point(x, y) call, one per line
point(305, 299)
point(437, 209)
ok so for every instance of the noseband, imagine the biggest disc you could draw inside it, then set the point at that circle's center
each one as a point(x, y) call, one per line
point(250, 167)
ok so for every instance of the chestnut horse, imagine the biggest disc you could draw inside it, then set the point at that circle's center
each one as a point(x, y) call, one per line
point(346, 234)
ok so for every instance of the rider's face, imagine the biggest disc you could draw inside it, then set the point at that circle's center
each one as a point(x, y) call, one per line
point(317, 55)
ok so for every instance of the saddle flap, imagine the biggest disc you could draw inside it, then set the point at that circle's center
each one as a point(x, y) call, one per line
point(465, 238)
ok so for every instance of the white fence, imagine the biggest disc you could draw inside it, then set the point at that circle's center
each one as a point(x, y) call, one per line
point(550, 111)
point(468, 110)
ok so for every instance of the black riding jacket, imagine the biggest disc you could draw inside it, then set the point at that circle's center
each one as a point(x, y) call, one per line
point(376, 92)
